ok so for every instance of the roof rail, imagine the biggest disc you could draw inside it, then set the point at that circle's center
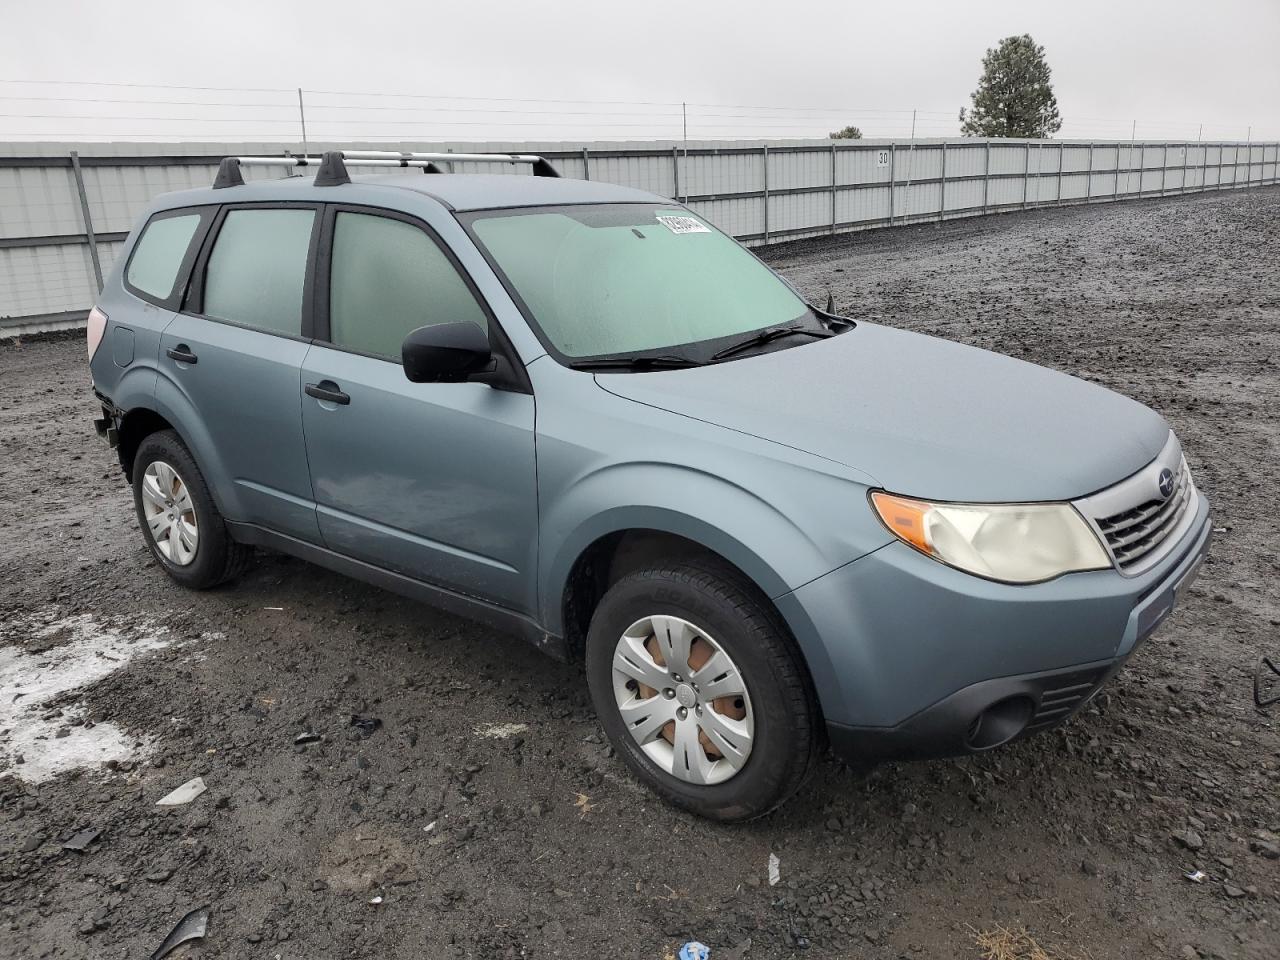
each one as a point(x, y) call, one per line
point(333, 164)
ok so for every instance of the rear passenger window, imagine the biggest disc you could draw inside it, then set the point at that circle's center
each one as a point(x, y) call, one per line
point(158, 255)
point(258, 268)
point(388, 278)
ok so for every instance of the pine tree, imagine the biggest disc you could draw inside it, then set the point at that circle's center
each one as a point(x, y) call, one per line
point(1014, 96)
point(845, 133)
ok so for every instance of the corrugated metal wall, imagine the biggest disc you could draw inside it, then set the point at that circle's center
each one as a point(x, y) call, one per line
point(759, 192)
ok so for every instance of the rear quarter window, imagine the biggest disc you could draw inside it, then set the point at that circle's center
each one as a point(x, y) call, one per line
point(162, 255)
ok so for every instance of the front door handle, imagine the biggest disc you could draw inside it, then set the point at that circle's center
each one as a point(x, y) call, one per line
point(326, 390)
point(182, 353)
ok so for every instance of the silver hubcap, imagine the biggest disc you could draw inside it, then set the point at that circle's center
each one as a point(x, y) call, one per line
point(171, 516)
point(683, 700)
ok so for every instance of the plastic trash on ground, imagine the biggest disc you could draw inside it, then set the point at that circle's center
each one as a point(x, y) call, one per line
point(184, 794)
point(693, 950)
point(191, 927)
point(80, 842)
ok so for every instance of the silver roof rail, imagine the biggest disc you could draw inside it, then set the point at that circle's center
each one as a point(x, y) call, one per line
point(333, 164)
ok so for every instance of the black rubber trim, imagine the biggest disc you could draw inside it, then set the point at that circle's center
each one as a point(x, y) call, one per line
point(942, 729)
point(442, 598)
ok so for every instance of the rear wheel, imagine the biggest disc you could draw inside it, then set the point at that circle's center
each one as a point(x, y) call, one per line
point(179, 520)
point(701, 691)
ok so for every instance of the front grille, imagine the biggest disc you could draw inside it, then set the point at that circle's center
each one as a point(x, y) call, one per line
point(1134, 533)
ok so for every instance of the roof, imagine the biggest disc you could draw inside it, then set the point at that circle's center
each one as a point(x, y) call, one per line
point(458, 191)
point(485, 191)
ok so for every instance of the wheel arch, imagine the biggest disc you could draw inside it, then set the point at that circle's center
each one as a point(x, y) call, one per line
point(135, 426)
point(170, 410)
point(610, 554)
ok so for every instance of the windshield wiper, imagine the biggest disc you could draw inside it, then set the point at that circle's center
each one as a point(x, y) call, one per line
point(768, 335)
point(642, 362)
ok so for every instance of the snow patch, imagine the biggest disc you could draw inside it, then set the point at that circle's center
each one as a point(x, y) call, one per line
point(30, 680)
point(500, 731)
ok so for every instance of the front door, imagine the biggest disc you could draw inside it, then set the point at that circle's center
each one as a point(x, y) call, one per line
point(432, 480)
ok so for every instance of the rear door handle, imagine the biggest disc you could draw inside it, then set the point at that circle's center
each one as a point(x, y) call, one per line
point(182, 353)
point(326, 390)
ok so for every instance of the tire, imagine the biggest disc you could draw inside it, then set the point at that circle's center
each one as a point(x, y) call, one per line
point(204, 560)
point(779, 705)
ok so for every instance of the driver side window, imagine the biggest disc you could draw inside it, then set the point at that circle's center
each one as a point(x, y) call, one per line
point(389, 277)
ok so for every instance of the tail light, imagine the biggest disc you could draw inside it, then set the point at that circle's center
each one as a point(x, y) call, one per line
point(96, 328)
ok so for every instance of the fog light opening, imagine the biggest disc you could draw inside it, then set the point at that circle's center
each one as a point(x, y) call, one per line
point(999, 723)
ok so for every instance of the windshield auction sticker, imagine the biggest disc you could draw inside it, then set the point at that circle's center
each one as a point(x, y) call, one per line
point(682, 224)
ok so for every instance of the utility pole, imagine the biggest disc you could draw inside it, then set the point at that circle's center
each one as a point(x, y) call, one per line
point(684, 132)
point(913, 124)
point(1200, 133)
point(302, 117)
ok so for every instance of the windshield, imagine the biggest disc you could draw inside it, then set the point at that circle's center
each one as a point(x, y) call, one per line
point(609, 279)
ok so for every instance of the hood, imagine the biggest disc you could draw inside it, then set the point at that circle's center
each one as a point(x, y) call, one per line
point(925, 417)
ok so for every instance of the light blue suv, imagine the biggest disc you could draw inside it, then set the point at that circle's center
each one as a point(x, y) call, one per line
point(581, 413)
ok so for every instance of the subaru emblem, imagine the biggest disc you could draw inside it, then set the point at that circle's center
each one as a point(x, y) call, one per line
point(1166, 483)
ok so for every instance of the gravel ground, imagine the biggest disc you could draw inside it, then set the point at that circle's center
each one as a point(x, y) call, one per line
point(486, 812)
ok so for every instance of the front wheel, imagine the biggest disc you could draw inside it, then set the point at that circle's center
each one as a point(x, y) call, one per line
point(701, 690)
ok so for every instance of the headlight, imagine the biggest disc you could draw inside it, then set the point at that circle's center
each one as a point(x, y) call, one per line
point(1016, 543)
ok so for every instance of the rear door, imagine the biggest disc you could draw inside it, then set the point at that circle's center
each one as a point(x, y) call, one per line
point(235, 352)
point(432, 480)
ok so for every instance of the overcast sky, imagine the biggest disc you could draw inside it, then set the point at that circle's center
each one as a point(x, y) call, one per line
point(797, 68)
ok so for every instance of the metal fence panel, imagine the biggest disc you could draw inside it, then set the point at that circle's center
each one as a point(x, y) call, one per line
point(50, 203)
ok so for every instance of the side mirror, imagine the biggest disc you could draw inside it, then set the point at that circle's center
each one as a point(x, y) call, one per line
point(445, 353)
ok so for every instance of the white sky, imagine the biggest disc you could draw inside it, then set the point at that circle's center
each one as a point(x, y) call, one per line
point(747, 68)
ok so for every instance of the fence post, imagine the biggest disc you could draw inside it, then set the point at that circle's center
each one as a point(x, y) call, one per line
point(893, 177)
point(833, 187)
point(1164, 165)
point(1088, 177)
point(675, 170)
point(942, 200)
point(88, 222)
point(1062, 160)
point(765, 152)
point(1039, 170)
point(1204, 167)
point(586, 167)
point(1186, 150)
point(986, 178)
point(1026, 172)
point(906, 188)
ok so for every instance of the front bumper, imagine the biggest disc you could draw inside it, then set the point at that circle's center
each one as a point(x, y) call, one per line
point(914, 659)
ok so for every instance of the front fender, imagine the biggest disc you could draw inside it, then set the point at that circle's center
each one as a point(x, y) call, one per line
point(698, 506)
point(726, 518)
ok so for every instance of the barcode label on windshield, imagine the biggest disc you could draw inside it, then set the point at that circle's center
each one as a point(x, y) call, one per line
point(683, 224)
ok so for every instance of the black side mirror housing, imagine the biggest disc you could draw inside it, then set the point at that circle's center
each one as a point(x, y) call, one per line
point(446, 353)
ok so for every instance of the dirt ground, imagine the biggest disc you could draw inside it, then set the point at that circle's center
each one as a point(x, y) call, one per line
point(485, 817)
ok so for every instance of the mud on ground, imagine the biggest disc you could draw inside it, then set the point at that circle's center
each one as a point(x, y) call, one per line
point(486, 811)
